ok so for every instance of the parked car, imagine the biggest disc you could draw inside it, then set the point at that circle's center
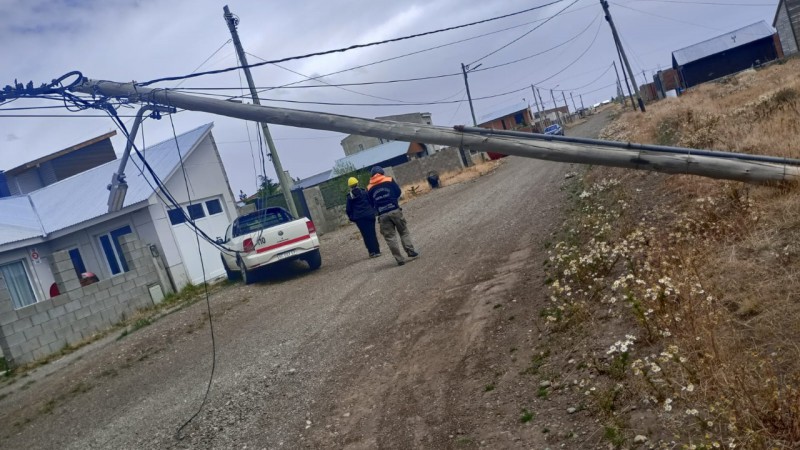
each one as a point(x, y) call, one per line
point(265, 237)
point(554, 129)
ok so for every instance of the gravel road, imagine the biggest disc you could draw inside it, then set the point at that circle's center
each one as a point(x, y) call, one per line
point(359, 354)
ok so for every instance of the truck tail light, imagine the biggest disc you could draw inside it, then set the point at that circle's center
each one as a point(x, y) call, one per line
point(311, 228)
point(248, 245)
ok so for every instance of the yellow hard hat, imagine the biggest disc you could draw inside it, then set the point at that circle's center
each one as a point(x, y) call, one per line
point(352, 181)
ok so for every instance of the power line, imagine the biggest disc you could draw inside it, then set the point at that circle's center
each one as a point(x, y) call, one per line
point(585, 85)
point(594, 39)
point(401, 80)
point(524, 34)
point(345, 49)
point(667, 18)
point(772, 4)
point(206, 60)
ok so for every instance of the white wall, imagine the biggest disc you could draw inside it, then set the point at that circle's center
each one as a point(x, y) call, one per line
point(207, 179)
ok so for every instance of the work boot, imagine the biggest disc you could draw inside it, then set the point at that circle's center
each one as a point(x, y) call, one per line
point(400, 263)
point(412, 254)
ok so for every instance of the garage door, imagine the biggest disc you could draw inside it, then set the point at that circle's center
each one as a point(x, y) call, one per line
point(209, 215)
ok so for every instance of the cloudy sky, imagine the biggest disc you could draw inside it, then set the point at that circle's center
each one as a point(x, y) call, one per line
point(126, 40)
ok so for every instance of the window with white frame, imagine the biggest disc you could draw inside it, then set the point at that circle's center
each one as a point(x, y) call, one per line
point(195, 211)
point(112, 249)
point(18, 283)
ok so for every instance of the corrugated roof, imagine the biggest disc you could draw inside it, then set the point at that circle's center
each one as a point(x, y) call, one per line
point(727, 41)
point(313, 180)
point(505, 111)
point(372, 156)
point(84, 196)
point(18, 220)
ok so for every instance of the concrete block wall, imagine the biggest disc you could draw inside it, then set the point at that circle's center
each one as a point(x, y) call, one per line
point(416, 170)
point(38, 330)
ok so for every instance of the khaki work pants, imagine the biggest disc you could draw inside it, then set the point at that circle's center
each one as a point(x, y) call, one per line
point(392, 224)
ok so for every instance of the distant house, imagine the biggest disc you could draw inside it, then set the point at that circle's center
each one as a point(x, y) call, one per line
point(787, 22)
point(57, 166)
point(390, 154)
point(513, 117)
point(356, 143)
point(726, 54)
point(665, 81)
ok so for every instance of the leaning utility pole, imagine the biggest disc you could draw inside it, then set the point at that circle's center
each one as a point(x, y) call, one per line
point(555, 105)
point(619, 86)
point(618, 43)
point(564, 96)
point(276, 160)
point(582, 107)
point(574, 108)
point(465, 69)
point(538, 111)
point(709, 164)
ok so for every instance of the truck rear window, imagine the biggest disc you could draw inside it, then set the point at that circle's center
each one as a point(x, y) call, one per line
point(260, 220)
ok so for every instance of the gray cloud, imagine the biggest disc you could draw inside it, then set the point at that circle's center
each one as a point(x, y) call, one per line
point(122, 40)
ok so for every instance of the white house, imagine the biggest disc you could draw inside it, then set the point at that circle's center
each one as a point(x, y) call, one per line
point(71, 215)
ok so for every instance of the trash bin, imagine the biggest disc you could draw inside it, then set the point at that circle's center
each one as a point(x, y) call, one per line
point(433, 179)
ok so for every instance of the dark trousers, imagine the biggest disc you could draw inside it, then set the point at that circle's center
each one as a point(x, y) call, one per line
point(367, 229)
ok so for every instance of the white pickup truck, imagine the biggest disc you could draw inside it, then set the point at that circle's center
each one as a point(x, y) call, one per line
point(268, 236)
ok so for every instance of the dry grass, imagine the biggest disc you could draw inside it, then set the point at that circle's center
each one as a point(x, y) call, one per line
point(714, 287)
point(451, 178)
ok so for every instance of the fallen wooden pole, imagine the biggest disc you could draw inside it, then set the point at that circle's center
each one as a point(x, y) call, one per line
point(597, 154)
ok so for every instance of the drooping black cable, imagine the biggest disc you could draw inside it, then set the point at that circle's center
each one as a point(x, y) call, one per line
point(591, 44)
point(352, 47)
point(205, 289)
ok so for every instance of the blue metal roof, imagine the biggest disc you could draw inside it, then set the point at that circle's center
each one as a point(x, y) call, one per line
point(313, 180)
point(727, 41)
point(372, 156)
point(505, 111)
point(84, 196)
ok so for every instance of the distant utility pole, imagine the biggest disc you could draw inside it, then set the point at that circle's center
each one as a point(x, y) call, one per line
point(276, 160)
point(619, 87)
point(574, 108)
point(582, 107)
point(564, 96)
point(541, 100)
point(465, 68)
point(555, 105)
point(538, 111)
point(618, 43)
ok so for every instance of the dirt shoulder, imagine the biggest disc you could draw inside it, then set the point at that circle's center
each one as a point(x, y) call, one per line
point(442, 352)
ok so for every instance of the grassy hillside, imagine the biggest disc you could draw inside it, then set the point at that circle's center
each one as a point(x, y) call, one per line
point(687, 290)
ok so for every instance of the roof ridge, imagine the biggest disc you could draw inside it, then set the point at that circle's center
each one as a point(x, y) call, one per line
point(723, 34)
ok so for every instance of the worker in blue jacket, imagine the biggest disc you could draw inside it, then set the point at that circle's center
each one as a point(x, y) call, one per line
point(360, 211)
point(384, 195)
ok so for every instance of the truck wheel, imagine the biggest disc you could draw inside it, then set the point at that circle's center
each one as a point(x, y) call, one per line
point(247, 276)
point(232, 274)
point(314, 259)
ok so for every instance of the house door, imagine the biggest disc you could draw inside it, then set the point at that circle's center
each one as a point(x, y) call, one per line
point(210, 217)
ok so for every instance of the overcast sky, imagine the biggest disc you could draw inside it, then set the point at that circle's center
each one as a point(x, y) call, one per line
point(125, 40)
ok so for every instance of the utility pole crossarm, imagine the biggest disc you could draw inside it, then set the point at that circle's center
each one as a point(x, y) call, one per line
point(755, 172)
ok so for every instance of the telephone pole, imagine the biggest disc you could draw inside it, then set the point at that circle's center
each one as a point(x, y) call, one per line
point(276, 160)
point(538, 111)
point(582, 102)
point(555, 105)
point(569, 119)
point(465, 68)
point(574, 108)
point(621, 50)
point(619, 87)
